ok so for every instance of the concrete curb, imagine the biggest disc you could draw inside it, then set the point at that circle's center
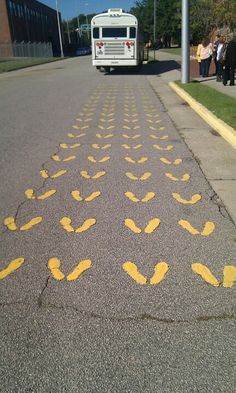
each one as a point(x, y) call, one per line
point(227, 132)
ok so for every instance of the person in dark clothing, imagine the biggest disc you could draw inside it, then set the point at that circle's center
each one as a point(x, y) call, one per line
point(230, 62)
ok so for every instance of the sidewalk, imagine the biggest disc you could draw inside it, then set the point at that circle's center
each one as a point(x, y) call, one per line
point(216, 158)
point(194, 74)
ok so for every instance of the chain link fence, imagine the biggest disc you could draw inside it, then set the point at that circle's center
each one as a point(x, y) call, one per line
point(26, 49)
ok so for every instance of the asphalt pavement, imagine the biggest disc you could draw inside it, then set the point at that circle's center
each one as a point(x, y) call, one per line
point(117, 256)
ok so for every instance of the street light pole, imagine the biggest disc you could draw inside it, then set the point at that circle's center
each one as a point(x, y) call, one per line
point(59, 30)
point(86, 4)
point(154, 20)
point(185, 42)
point(68, 32)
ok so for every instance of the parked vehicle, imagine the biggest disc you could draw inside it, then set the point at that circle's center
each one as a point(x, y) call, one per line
point(86, 50)
point(116, 40)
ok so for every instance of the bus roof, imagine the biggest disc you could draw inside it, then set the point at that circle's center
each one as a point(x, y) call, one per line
point(114, 16)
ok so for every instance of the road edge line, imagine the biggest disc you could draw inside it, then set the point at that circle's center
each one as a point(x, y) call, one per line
point(227, 132)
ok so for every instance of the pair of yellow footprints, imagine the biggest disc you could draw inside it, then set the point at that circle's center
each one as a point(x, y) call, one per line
point(154, 223)
point(11, 224)
point(66, 223)
point(160, 271)
point(161, 268)
point(54, 267)
point(150, 195)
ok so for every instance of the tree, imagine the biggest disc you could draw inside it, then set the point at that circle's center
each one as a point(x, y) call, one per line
point(168, 17)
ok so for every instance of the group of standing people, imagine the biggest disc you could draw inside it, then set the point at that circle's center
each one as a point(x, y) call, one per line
point(223, 54)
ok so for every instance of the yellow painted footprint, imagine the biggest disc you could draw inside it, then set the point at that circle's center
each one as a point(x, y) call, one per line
point(153, 128)
point(12, 267)
point(66, 223)
point(131, 128)
point(153, 121)
point(104, 147)
point(30, 194)
point(132, 161)
point(76, 195)
point(54, 267)
point(131, 121)
point(79, 127)
point(106, 128)
point(85, 175)
point(131, 137)
point(185, 177)
point(66, 146)
point(152, 115)
point(70, 135)
point(107, 120)
point(209, 227)
point(167, 148)
point(228, 279)
point(195, 198)
point(84, 120)
point(127, 147)
point(151, 227)
point(205, 273)
point(161, 138)
point(131, 269)
point(99, 136)
point(229, 276)
point(145, 176)
point(45, 175)
point(107, 114)
point(93, 160)
point(9, 222)
point(161, 269)
point(160, 272)
point(168, 162)
point(58, 159)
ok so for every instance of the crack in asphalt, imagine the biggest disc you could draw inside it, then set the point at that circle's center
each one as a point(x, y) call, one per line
point(40, 297)
point(21, 204)
point(138, 318)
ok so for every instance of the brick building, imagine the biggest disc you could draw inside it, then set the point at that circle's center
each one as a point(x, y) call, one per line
point(28, 21)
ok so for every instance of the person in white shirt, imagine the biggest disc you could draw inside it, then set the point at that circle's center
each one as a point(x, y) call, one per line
point(220, 58)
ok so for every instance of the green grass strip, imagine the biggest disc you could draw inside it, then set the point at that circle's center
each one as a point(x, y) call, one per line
point(12, 64)
point(173, 51)
point(223, 106)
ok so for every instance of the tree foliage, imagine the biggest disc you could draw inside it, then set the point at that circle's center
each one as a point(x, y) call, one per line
point(204, 15)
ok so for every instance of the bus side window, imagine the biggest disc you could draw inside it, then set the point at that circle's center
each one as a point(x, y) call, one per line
point(95, 32)
point(132, 32)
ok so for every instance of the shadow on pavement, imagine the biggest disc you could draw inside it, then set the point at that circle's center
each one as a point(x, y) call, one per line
point(152, 68)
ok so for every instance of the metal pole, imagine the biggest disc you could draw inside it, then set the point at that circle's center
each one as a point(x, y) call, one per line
point(86, 4)
point(185, 42)
point(154, 20)
point(68, 32)
point(59, 29)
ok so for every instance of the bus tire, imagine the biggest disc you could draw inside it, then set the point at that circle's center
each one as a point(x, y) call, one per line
point(107, 69)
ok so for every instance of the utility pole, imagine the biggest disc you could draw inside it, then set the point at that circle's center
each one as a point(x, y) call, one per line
point(185, 42)
point(68, 32)
point(154, 20)
point(86, 4)
point(59, 29)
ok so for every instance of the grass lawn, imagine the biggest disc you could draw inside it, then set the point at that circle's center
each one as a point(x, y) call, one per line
point(223, 106)
point(173, 51)
point(15, 63)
